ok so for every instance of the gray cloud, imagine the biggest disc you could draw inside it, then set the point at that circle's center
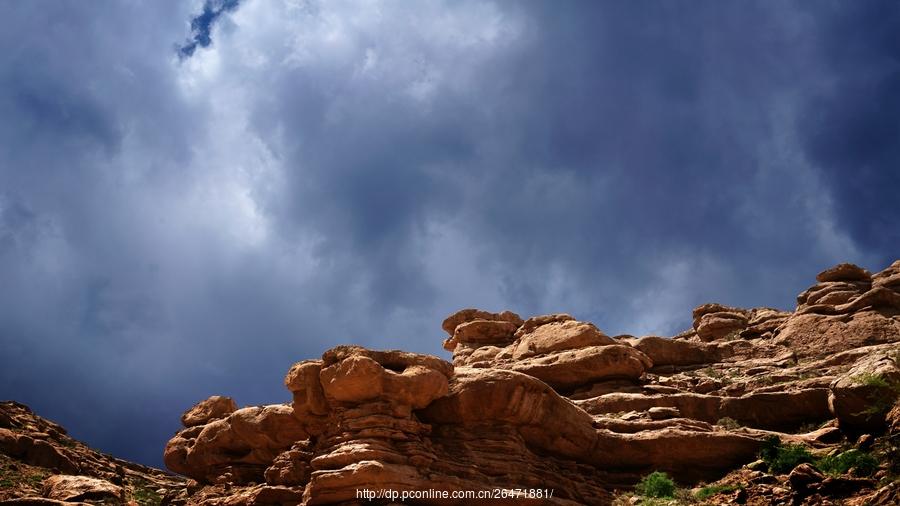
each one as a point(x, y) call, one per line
point(324, 173)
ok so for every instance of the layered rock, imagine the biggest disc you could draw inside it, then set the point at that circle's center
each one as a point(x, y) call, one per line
point(551, 402)
point(237, 448)
point(41, 464)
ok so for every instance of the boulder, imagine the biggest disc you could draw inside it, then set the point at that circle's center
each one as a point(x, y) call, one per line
point(352, 375)
point(572, 368)
point(482, 332)
point(559, 336)
point(888, 278)
point(813, 335)
point(665, 351)
point(207, 410)
point(844, 272)
point(536, 321)
point(861, 398)
point(70, 488)
point(239, 447)
point(719, 325)
point(465, 315)
point(303, 382)
point(803, 476)
point(662, 413)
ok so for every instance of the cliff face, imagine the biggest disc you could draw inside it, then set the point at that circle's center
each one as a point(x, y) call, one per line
point(41, 465)
point(551, 403)
point(550, 410)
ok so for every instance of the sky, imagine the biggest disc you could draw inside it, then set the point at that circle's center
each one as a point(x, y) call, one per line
point(195, 195)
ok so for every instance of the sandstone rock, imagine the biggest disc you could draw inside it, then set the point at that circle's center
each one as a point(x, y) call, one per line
point(714, 326)
point(303, 382)
point(254, 495)
point(482, 332)
point(32, 447)
point(569, 369)
point(861, 398)
point(207, 410)
point(700, 311)
point(663, 351)
point(811, 335)
point(888, 278)
point(38, 501)
point(354, 375)
point(687, 455)
point(484, 395)
point(761, 410)
point(554, 402)
point(844, 272)
point(465, 315)
point(661, 413)
point(291, 467)
point(536, 321)
point(240, 446)
point(81, 488)
point(803, 476)
point(559, 336)
point(35, 451)
point(833, 293)
point(763, 322)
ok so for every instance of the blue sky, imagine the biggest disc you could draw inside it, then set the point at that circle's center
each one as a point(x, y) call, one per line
point(195, 195)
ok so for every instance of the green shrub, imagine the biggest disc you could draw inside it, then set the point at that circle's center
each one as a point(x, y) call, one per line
point(656, 484)
point(862, 463)
point(882, 399)
point(711, 490)
point(728, 423)
point(871, 380)
point(781, 458)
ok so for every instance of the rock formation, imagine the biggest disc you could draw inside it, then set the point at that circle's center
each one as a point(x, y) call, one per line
point(41, 465)
point(553, 403)
point(550, 410)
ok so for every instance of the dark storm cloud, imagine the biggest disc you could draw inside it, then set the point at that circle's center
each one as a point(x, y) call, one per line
point(173, 227)
point(850, 127)
point(201, 25)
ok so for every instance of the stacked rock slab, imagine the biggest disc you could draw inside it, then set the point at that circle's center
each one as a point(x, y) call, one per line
point(847, 308)
point(551, 402)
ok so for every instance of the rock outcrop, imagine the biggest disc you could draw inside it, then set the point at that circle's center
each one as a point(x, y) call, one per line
point(41, 464)
point(553, 403)
point(550, 410)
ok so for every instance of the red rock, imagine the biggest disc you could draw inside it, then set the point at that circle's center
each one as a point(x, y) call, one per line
point(844, 272)
point(554, 402)
point(536, 321)
point(664, 351)
point(559, 336)
point(81, 488)
point(572, 368)
point(861, 398)
point(210, 409)
point(465, 315)
point(482, 332)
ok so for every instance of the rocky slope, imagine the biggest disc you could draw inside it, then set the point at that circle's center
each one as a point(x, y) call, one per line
point(41, 465)
point(550, 410)
point(553, 404)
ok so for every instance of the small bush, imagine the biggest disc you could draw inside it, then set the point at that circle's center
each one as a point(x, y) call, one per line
point(781, 458)
point(871, 380)
point(883, 398)
point(656, 484)
point(728, 423)
point(862, 463)
point(711, 490)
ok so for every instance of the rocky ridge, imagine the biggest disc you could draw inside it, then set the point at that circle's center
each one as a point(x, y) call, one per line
point(40, 464)
point(551, 403)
